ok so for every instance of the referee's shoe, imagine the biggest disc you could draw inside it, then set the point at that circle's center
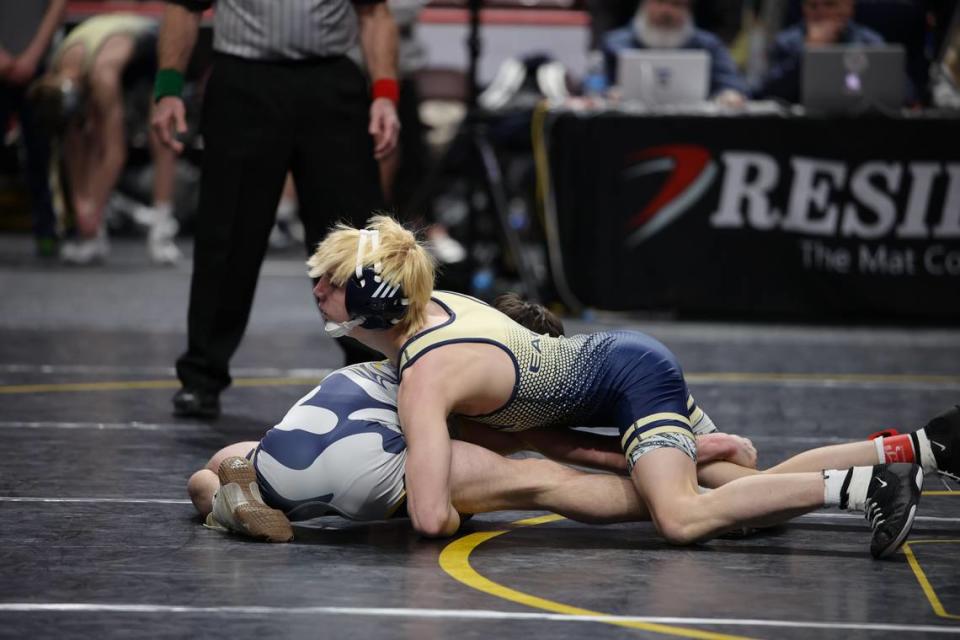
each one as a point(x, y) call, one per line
point(196, 403)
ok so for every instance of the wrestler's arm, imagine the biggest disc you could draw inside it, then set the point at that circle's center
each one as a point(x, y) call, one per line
point(593, 450)
point(425, 398)
point(570, 446)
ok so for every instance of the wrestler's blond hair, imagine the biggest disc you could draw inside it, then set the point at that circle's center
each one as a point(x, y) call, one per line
point(403, 260)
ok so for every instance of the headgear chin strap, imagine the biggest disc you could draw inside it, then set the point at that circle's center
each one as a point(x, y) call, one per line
point(340, 329)
point(371, 302)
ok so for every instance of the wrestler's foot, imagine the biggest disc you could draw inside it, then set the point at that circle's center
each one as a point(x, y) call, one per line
point(891, 504)
point(238, 506)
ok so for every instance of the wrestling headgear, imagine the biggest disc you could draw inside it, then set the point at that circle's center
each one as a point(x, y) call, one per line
point(372, 303)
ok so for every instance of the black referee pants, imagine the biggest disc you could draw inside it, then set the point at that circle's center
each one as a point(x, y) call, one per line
point(261, 119)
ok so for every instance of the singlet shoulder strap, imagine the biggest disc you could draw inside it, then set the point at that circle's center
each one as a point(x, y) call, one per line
point(470, 320)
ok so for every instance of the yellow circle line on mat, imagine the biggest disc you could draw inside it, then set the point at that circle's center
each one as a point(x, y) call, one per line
point(455, 561)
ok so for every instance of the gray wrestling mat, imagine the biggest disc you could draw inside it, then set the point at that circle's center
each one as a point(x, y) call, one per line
point(98, 538)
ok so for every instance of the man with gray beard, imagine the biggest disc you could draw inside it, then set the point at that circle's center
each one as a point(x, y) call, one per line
point(668, 24)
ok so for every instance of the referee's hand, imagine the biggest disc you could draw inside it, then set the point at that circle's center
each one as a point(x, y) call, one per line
point(384, 127)
point(169, 119)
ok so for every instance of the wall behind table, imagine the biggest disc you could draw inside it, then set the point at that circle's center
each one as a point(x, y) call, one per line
point(564, 33)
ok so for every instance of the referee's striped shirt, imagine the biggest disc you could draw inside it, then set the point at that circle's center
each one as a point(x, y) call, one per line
point(282, 29)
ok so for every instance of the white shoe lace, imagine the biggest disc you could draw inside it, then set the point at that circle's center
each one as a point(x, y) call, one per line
point(874, 514)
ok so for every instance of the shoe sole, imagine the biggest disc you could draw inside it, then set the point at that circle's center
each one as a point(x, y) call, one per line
point(258, 520)
point(192, 411)
point(905, 531)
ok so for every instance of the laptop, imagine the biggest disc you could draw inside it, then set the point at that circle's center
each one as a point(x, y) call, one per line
point(664, 77)
point(853, 78)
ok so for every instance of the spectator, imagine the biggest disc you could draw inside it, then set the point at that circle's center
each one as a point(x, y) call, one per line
point(668, 24)
point(283, 95)
point(26, 30)
point(720, 17)
point(825, 22)
point(946, 73)
point(80, 100)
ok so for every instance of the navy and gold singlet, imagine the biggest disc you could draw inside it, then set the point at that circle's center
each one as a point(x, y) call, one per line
point(624, 379)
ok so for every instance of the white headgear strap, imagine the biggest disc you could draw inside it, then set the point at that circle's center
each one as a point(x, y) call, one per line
point(371, 236)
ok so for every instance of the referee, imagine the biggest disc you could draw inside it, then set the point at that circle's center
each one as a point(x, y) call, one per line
point(285, 94)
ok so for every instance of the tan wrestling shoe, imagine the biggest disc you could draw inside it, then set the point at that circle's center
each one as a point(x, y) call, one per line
point(239, 507)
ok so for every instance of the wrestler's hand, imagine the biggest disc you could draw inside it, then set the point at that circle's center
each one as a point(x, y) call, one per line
point(726, 446)
point(168, 119)
point(384, 127)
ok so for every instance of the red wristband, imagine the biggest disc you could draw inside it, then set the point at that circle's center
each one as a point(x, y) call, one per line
point(386, 88)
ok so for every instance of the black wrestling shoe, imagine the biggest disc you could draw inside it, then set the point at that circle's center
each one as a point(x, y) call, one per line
point(943, 432)
point(892, 498)
point(195, 403)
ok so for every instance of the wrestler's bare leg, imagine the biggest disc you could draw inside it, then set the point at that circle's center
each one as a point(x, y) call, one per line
point(483, 481)
point(838, 456)
point(105, 152)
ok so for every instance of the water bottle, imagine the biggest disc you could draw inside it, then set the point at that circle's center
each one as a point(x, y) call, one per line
point(595, 79)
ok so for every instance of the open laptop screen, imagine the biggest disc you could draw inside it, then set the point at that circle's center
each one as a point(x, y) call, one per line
point(664, 77)
point(849, 79)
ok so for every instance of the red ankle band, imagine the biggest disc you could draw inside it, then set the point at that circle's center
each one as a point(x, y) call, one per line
point(898, 449)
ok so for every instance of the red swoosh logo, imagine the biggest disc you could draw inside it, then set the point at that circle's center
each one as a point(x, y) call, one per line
point(689, 161)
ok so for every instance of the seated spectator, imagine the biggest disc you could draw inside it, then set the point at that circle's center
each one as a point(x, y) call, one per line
point(668, 24)
point(825, 22)
point(721, 17)
point(80, 102)
point(946, 73)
